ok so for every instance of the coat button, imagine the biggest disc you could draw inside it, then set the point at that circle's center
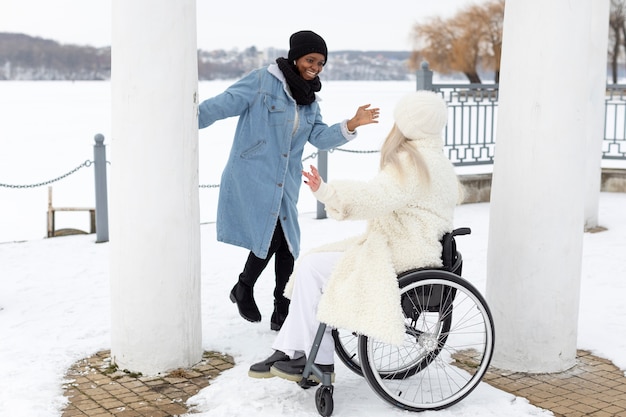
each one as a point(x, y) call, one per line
point(280, 184)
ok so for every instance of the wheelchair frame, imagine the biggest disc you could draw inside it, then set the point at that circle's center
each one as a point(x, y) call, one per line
point(425, 293)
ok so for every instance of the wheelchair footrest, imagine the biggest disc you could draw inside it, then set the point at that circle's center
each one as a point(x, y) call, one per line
point(306, 383)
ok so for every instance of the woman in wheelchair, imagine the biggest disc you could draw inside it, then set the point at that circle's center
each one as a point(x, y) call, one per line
point(352, 284)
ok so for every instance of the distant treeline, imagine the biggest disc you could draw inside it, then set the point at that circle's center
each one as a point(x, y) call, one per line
point(24, 57)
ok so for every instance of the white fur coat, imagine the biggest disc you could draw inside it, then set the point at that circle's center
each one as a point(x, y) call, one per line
point(405, 221)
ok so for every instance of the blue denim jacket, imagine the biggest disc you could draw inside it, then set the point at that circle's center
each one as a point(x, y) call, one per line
point(261, 181)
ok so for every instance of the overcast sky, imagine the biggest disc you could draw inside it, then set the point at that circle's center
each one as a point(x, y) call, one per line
point(226, 24)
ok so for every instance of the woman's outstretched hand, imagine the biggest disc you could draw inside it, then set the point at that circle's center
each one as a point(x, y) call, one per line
point(364, 116)
point(313, 179)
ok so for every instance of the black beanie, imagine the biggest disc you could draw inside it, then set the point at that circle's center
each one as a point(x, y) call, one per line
point(306, 42)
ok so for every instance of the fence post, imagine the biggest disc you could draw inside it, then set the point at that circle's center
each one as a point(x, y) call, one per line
point(100, 170)
point(322, 167)
point(424, 77)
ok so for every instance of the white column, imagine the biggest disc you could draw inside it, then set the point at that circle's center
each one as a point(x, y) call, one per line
point(537, 198)
point(154, 233)
point(596, 108)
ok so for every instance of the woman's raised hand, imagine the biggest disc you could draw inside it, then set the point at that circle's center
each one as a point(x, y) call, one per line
point(313, 179)
point(364, 116)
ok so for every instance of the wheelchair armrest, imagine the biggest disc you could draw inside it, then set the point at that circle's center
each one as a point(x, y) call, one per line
point(461, 231)
point(449, 255)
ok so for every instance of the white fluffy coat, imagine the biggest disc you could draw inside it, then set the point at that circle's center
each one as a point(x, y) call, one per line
point(405, 221)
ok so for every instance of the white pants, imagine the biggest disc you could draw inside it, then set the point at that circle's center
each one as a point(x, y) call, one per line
point(299, 329)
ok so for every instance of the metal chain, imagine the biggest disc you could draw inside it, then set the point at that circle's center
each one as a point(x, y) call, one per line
point(312, 156)
point(87, 163)
point(354, 151)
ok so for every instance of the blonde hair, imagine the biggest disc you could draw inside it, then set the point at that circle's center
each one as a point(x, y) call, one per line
point(395, 143)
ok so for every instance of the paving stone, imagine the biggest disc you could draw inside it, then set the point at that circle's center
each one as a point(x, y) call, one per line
point(594, 387)
point(591, 388)
point(98, 389)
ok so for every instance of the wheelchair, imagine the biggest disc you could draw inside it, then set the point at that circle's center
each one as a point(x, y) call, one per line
point(448, 342)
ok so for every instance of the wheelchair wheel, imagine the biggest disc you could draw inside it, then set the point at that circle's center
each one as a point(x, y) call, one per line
point(448, 344)
point(346, 348)
point(324, 400)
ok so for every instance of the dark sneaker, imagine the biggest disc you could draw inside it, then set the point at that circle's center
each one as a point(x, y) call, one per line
point(262, 369)
point(291, 370)
point(243, 295)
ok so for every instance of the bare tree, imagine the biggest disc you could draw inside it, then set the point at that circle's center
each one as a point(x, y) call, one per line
point(466, 48)
point(467, 42)
point(617, 19)
point(436, 38)
point(493, 15)
point(616, 24)
point(447, 48)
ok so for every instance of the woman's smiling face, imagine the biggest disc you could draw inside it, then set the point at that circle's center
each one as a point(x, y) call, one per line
point(309, 66)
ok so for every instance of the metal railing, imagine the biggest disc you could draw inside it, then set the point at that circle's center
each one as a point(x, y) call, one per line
point(469, 137)
point(614, 144)
point(470, 134)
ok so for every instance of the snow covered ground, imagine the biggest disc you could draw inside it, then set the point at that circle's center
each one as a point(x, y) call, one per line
point(55, 310)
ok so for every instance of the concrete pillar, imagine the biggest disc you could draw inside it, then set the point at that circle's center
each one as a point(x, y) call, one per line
point(537, 199)
point(154, 222)
point(596, 109)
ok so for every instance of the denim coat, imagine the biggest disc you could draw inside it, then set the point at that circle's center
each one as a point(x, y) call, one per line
point(261, 181)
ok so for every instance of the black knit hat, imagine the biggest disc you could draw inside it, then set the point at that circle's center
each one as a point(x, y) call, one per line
point(306, 42)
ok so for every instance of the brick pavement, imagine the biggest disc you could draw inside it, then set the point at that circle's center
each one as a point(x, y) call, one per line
point(594, 388)
point(96, 388)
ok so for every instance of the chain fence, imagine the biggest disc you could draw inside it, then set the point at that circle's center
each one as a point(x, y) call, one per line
point(100, 173)
point(312, 155)
point(87, 163)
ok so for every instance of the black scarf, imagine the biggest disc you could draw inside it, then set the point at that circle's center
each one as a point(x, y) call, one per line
point(303, 91)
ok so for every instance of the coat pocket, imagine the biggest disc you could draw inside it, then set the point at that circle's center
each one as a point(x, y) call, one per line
point(276, 110)
point(253, 150)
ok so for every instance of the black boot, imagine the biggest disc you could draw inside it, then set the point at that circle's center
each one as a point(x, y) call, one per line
point(281, 309)
point(243, 295)
point(283, 268)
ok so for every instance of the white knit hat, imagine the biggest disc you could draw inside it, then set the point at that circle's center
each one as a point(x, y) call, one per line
point(421, 114)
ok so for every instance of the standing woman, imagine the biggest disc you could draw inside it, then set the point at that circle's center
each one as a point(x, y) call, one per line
point(257, 209)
